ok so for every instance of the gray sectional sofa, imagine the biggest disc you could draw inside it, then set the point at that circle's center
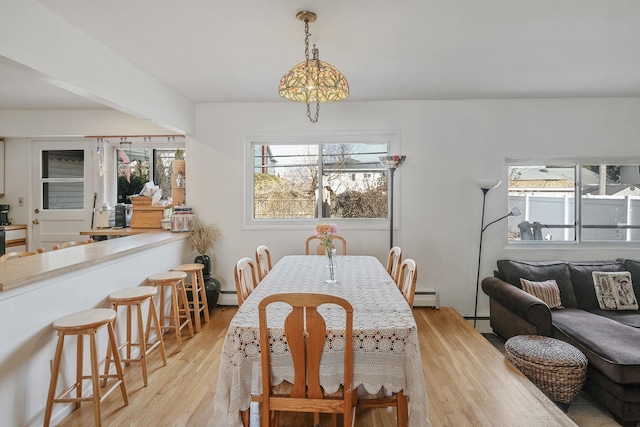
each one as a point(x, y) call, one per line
point(610, 339)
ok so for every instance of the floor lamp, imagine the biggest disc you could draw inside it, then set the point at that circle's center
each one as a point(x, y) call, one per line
point(391, 163)
point(485, 186)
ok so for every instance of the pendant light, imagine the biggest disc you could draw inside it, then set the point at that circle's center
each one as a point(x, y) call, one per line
point(313, 81)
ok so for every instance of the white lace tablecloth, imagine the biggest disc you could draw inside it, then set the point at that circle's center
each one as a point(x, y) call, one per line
point(386, 348)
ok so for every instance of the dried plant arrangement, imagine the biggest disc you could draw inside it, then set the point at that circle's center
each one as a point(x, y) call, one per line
point(204, 236)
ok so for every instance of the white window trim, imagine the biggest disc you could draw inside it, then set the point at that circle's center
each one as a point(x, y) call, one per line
point(577, 162)
point(390, 137)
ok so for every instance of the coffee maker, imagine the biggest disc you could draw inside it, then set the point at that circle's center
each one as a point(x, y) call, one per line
point(4, 215)
point(123, 215)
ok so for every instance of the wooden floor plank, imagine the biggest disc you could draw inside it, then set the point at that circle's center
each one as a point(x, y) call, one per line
point(469, 383)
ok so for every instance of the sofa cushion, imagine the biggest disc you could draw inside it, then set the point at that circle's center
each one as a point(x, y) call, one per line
point(582, 280)
point(626, 317)
point(614, 290)
point(547, 291)
point(512, 271)
point(611, 347)
point(633, 267)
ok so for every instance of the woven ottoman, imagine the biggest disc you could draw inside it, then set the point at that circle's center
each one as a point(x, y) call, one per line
point(556, 367)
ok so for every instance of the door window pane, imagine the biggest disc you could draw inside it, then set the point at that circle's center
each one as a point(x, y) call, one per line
point(63, 195)
point(62, 179)
point(62, 164)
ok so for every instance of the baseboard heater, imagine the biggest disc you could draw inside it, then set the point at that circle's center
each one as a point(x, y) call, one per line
point(427, 299)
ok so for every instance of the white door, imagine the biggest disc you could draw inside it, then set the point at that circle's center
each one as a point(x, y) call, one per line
point(63, 191)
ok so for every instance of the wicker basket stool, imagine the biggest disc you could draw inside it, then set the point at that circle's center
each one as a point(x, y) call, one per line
point(556, 367)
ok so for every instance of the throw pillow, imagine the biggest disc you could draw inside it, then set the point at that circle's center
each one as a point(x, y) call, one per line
point(614, 290)
point(547, 291)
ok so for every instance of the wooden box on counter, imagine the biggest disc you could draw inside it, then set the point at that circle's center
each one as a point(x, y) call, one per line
point(147, 216)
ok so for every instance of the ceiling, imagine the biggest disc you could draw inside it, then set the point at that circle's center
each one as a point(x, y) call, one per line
point(222, 51)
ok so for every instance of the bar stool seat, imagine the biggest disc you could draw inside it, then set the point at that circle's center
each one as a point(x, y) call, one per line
point(136, 297)
point(83, 323)
point(173, 281)
point(198, 301)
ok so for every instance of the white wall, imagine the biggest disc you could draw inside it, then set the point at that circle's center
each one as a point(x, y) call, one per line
point(448, 145)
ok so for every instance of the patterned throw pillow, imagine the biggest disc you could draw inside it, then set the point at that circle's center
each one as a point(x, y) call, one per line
point(614, 290)
point(547, 291)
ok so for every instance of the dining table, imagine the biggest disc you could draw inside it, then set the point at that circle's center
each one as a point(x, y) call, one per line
point(386, 351)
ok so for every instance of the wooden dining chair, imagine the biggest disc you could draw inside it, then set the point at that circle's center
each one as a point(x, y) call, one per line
point(320, 248)
point(263, 261)
point(305, 332)
point(407, 276)
point(14, 255)
point(72, 243)
point(393, 262)
point(407, 279)
point(244, 274)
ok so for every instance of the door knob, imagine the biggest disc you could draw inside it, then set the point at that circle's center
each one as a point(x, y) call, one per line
point(35, 221)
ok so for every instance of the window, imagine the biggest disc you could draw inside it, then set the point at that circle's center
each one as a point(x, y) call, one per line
point(608, 208)
point(62, 179)
point(137, 166)
point(310, 177)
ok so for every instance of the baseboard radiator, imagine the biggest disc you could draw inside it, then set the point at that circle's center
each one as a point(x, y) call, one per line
point(427, 299)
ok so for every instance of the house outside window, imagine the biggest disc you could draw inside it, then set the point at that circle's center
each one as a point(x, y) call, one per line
point(608, 208)
point(309, 177)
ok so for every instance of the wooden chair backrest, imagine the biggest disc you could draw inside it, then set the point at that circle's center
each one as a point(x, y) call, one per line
point(305, 332)
point(13, 255)
point(393, 262)
point(320, 248)
point(407, 280)
point(263, 261)
point(244, 274)
point(72, 243)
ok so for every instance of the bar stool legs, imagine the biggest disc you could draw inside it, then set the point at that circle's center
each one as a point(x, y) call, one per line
point(173, 281)
point(198, 301)
point(80, 324)
point(136, 297)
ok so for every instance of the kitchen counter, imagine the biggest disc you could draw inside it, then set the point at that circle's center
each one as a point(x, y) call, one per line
point(14, 227)
point(15, 237)
point(119, 231)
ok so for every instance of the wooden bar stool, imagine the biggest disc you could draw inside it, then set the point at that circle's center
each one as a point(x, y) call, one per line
point(136, 297)
point(174, 281)
point(198, 301)
point(80, 324)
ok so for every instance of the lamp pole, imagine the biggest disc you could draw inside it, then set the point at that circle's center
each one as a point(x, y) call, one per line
point(484, 199)
point(391, 173)
point(391, 163)
point(485, 185)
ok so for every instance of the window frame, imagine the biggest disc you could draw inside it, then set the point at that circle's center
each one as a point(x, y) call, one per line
point(578, 163)
point(389, 137)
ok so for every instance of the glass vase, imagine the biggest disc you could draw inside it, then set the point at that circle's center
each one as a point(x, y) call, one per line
point(331, 267)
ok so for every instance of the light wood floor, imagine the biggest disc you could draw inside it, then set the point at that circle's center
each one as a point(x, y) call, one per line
point(469, 383)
